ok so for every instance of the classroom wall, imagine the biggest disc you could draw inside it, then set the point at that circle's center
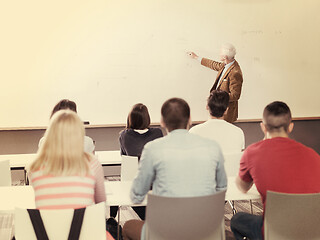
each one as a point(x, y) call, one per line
point(106, 138)
point(108, 55)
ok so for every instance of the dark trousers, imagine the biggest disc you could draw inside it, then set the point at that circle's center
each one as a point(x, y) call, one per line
point(247, 225)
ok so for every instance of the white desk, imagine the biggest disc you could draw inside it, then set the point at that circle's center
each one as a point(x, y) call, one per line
point(16, 196)
point(234, 194)
point(109, 158)
point(118, 193)
point(12, 197)
point(110, 161)
point(19, 161)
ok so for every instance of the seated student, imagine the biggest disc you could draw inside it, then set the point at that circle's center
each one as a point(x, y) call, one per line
point(178, 165)
point(67, 104)
point(276, 163)
point(133, 139)
point(138, 131)
point(63, 175)
point(229, 136)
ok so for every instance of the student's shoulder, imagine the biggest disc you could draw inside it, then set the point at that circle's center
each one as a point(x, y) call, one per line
point(198, 139)
point(304, 149)
point(233, 127)
point(125, 132)
point(156, 131)
point(256, 147)
point(156, 143)
point(197, 127)
point(93, 161)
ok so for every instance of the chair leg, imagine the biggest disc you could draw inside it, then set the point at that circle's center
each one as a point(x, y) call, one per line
point(26, 179)
point(118, 232)
point(234, 210)
point(251, 206)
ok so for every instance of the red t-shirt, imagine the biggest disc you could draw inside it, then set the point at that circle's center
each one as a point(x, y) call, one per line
point(281, 165)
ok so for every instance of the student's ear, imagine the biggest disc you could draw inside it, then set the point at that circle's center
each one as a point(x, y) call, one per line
point(189, 123)
point(225, 112)
point(162, 124)
point(207, 107)
point(290, 128)
point(263, 128)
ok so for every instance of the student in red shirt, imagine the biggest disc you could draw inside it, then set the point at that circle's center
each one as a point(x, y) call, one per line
point(276, 163)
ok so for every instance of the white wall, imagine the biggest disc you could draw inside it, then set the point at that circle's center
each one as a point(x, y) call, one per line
point(110, 54)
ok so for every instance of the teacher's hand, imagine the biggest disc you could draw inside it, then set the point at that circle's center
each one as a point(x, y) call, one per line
point(193, 55)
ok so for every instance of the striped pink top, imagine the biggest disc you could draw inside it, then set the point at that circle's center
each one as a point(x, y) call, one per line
point(61, 192)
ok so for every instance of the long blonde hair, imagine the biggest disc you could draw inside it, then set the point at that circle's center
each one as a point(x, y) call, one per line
point(62, 152)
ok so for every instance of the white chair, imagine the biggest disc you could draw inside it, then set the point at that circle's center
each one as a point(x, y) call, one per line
point(292, 216)
point(232, 166)
point(185, 218)
point(232, 163)
point(5, 173)
point(57, 223)
point(129, 167)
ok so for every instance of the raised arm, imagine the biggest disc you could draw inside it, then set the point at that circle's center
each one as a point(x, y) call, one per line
point(217, 66)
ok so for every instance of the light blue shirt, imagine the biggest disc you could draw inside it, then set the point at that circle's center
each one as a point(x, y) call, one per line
point(180, 164)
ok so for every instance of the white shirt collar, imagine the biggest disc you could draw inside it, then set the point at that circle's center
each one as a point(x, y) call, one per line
point(229, 65)
point(141, 131)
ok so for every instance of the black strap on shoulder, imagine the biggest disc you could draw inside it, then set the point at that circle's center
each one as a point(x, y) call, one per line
point(41, 232)
point(37, 224)
point(76, 224)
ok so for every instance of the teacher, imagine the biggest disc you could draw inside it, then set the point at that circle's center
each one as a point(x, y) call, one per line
point(229, 77)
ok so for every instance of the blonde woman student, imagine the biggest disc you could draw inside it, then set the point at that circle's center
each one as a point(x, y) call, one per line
point(63, 175)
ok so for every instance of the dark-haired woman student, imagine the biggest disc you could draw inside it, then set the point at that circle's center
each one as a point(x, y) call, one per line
point(138, 131)
point(133, 139)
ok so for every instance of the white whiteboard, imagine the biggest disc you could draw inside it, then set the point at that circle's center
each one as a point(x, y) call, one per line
point(107, 55)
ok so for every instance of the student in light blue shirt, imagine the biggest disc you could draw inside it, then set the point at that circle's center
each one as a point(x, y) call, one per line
point(180, 164)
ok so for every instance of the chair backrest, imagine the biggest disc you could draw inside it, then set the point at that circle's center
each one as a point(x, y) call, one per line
point(292, 216)
point(185, 218)
point(232, 163)
point(5, 173)
point(129, 167)
point(57, 223)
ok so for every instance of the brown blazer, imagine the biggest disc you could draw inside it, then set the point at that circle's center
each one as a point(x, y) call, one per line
point(231, 82)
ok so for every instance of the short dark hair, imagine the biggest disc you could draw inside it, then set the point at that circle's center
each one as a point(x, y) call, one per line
point(277, 117)
point(138, 117)
point(175, 114)
point(218, 102)
point(64, 104)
